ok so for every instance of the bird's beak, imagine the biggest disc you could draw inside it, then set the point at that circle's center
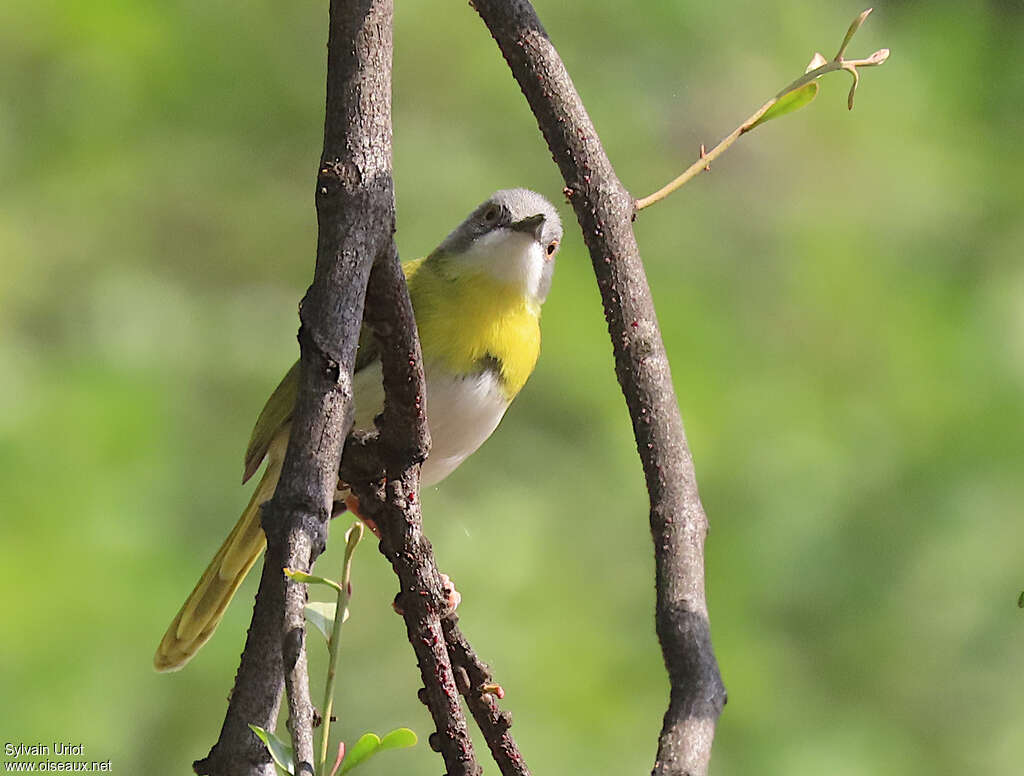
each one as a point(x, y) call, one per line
point(532, 225)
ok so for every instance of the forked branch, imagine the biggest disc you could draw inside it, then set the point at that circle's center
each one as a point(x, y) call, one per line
point(355, 213)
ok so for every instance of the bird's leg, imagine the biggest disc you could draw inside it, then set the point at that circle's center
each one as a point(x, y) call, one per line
point(451, 596)
point(347, 501)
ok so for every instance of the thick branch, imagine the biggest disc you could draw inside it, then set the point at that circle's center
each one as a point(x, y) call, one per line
point(403, 442)
point(393, 504)
point(678, 524)
point(355, 211)
point(257, 691)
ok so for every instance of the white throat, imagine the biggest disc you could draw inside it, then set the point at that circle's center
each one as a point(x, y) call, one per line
point(510, 257)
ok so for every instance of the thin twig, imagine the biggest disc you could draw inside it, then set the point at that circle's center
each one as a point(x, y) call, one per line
point(477, 686)
point(678, 524)
point(352, 539)
point(837, 63)
point(293, 656)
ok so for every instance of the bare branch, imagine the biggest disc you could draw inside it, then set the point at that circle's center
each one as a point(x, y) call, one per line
point(678, 524)
point(293, 657)
point(477, 686)
point(352, 538)
point(393, 504)
point(355, 210)
point(256, 696)
point(394, 455)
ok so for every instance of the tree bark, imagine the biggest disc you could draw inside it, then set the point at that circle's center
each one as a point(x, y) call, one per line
point(388, 494)
point(474, 680)
point(355, 209)
point(355, 213)
point(605, 211)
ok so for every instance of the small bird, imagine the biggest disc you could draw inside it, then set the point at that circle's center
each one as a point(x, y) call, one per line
point(477, 300)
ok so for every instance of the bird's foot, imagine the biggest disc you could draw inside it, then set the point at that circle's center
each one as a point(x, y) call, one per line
point(452, 597)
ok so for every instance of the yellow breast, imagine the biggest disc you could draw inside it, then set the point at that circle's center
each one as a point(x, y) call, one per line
point(470, 323)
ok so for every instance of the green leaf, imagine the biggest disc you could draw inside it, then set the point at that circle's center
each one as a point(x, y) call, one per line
point(1020, 601)
point(321, 614)
point(282, 753)
point(788, 103)
point(367, 746)
point(400, 738)
point(310, 579)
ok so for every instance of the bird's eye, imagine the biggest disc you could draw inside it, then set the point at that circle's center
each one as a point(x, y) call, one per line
point(491, 214)
point(552, 247)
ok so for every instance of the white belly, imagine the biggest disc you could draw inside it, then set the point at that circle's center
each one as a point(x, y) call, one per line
point(462, 413)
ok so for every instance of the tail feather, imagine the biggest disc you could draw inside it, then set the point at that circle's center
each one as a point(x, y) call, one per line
point(202, 611)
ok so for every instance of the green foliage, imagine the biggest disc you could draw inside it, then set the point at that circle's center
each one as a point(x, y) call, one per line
point(789, 103)
point(366, 747)
point(803, 91)
point(281, 752)
point(310, 579)
point(321, 615)
point(370, 744)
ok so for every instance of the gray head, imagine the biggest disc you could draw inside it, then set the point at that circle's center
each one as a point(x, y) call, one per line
point(513, 236)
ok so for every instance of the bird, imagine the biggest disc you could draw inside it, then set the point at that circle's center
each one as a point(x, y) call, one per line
point(477, 300)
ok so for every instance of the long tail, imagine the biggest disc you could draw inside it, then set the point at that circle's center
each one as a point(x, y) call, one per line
point(202, 611)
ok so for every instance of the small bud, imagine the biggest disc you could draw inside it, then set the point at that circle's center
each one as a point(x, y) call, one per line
point(494, 688)
point(817, 61)
point(879, 56)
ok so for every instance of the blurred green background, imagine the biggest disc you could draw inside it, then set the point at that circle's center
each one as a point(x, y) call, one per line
point(842, 299)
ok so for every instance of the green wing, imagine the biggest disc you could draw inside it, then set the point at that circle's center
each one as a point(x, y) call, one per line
point(276, 412)
point(279, 407)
